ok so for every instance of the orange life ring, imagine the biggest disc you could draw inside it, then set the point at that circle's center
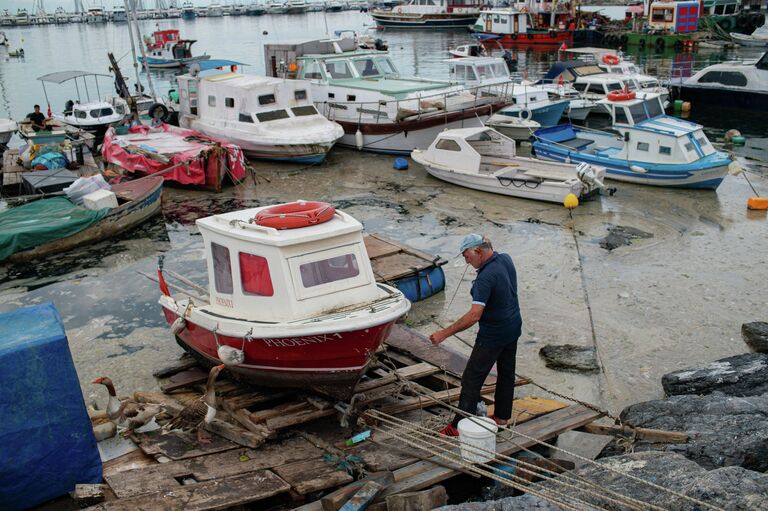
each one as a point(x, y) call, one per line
point(611, 60)
point(295, 215)
point(621, 95)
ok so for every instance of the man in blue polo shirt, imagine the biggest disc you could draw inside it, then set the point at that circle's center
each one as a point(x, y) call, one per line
point(496, 308)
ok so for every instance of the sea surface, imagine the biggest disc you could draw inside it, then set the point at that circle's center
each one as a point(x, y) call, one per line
point(674, 296)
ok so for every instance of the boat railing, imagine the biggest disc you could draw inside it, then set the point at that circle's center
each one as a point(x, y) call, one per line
point(419, 106)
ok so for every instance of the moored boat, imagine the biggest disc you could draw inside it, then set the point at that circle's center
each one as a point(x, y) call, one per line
point(288, 307)
point(166, 49)
point(651, 148)
point(7, 129)
point(56, 225)
point(423, 14)
point(512, 27)
point(484, 159)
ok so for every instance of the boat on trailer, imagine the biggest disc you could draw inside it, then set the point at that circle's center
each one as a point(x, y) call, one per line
point(484, 159)
point(293, 301)
point(644, 146)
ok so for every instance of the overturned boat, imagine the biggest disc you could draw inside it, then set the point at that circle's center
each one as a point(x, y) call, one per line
point(293, 299)
point(484, 159)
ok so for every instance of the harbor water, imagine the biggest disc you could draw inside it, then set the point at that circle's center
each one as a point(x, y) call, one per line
point(669, 288)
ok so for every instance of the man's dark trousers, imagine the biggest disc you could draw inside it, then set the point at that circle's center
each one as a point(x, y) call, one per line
point(478, 366)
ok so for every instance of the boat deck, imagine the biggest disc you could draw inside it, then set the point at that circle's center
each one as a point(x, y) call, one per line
point(282, 449)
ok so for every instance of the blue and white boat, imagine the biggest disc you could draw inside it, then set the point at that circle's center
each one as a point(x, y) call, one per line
point(166, 49)
point(531, 102)
point(651, 148)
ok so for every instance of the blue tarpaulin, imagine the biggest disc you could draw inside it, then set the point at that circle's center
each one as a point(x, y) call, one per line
point(46, 440)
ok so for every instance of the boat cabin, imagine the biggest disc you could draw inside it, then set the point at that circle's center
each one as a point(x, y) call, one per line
point(748, 76)
point(650, 135)
point(598, 86)
point(86, 112)
point(720, 7)
point(478, 71)
point(231, 97)
point(471, 150)
point(164, 42)
point(675, 17)
point(504, 21)
point(262, 274)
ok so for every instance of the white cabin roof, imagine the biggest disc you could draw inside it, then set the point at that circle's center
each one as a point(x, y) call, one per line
point(237, 225)
point(462, 133)
point(245, 82)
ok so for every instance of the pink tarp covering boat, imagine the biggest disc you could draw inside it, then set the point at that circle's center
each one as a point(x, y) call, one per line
point(146, 150)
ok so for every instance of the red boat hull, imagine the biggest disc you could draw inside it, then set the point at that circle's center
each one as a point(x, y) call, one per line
point(331, 364)
point(550, 37)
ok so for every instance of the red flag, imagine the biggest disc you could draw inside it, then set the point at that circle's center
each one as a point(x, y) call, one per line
point(50, 112)
point(163, 285)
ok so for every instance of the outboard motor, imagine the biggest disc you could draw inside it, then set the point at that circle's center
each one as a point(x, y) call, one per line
point(510, 60)
point(380, 45)
point(587, 176)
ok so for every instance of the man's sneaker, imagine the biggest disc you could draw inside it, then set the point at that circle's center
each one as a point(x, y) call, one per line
point(499, 422)
point(449, 430)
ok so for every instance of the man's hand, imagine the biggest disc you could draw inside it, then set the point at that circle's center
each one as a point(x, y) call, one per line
point(438, 336)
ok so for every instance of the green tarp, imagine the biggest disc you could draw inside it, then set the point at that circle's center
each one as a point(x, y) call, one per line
point(42, 221)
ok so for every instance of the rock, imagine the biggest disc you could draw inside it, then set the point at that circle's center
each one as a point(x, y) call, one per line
point(741, 375)
point(756, 335)
point(723, 431)
point(731, 488)
point(570, 357)
point(620, 235)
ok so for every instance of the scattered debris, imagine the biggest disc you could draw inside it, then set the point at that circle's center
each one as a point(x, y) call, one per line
point(569, 357)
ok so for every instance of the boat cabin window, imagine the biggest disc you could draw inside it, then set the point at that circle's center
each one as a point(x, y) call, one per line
point(245, 118)
point(689, 147)
point(366, 68)
point(638, 113)
point(254, 275)
point(621, 116)
point(300, 111)
point(300, 94)
point(222, 268)
point(338, 69)
point(101, 112)
point(654, 108)
point(614, 86)
point(448, 145)
point(643, 146)
point(272, 116)
point(596, 88)
point(229, 102)
point(703, 142)
point(211, 100)
point(725, 77)
point(665, 150)
point(386, 67)
point(499, 69)
point(329, 270)
point(267, 99)
point(312, 71)
point(581, 87)
point(81, 114)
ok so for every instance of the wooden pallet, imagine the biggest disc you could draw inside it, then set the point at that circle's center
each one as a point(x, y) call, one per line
point(286, 448)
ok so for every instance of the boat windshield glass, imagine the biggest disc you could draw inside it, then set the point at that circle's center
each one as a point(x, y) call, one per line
point(654, 107)
point(500, 69)
point(338, 69)
point(386, 66)
point(614, 86)
point(638, 113)
point(329, 270)
point(366, 68)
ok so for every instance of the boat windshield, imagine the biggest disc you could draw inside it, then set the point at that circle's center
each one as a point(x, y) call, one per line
point(374, 67)
point(614, 86)
point(638, 113)
point(653, 106)
point(338, 69)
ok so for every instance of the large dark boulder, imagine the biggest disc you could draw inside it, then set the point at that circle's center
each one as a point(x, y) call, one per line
point(723, 431)
point(756, 335)
point(741, 375)
point(569, 357)
point(730, 488)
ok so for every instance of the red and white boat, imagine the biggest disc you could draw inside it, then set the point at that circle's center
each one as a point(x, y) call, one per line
point(511, 26)
point(293, 299)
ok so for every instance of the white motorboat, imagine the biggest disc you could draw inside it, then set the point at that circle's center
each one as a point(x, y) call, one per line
point(3, 39)
point(119, 14)
point(296, 7)
point(91, 115)
point(380, 110)
point(7, 129)
point(95, 15)
point(468, 50)
point(730, 85)
point(215, 10)
point(334, 5)
point(484, 159)
point(269, 118)
point(513, 127)
point(758, 38)
point(276, 7)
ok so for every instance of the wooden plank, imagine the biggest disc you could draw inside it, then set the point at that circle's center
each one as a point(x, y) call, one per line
point(313, 475)
point(651, 435)
point(411, 250)
point(425, 474)
point(184, 363)
point(208, 496)
point(184, 379)
point(133, 460)
point(251, 398)
point(377, 247)
point(412, 403)
point(237, 434)
point(397, 266)
point(411, 372)
point(166, 476)
point(177, 445)
point(333, 501)
point(529, 407)
point(363, 497)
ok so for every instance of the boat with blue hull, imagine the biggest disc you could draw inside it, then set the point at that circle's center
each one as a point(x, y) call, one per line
point(651, 148)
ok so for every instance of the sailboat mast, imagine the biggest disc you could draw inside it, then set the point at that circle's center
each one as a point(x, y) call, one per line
point(133, 49)
point(132, 15)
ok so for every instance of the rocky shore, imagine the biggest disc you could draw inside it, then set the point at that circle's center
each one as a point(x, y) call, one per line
point(723, 408)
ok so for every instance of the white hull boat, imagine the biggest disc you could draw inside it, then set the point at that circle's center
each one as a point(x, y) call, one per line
point(7, 129)
point(750, 40)
point(513, 127)
point(483, 159)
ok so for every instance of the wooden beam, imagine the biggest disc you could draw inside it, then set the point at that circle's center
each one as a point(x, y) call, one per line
point(416, 402)
point(651, 435)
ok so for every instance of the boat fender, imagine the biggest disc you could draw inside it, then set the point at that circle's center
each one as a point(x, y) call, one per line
point(526, 114)
point(686, 106)
point(570, 201)
point(158, 112)
point(295, 215)
point(178, 325)
point(638, 169)
point(230, 356)
point(359, 140)
point(757, 203)
point(400, 164)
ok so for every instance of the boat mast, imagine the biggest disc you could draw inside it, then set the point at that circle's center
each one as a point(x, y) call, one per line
point(132, 14)
point(133, 49)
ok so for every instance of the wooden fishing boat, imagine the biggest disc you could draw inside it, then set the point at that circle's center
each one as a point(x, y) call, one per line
point(138, 201)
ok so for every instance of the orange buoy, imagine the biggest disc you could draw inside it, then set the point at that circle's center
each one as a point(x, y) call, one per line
point(757, 203)
point(611, 59)
point(621, 95)
point(295, 215)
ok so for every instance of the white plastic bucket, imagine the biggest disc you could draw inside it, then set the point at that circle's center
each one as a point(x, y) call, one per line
point(478, 439)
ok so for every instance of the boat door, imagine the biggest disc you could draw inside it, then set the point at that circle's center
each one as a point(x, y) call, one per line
point(488, 22)
point(187, 95)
